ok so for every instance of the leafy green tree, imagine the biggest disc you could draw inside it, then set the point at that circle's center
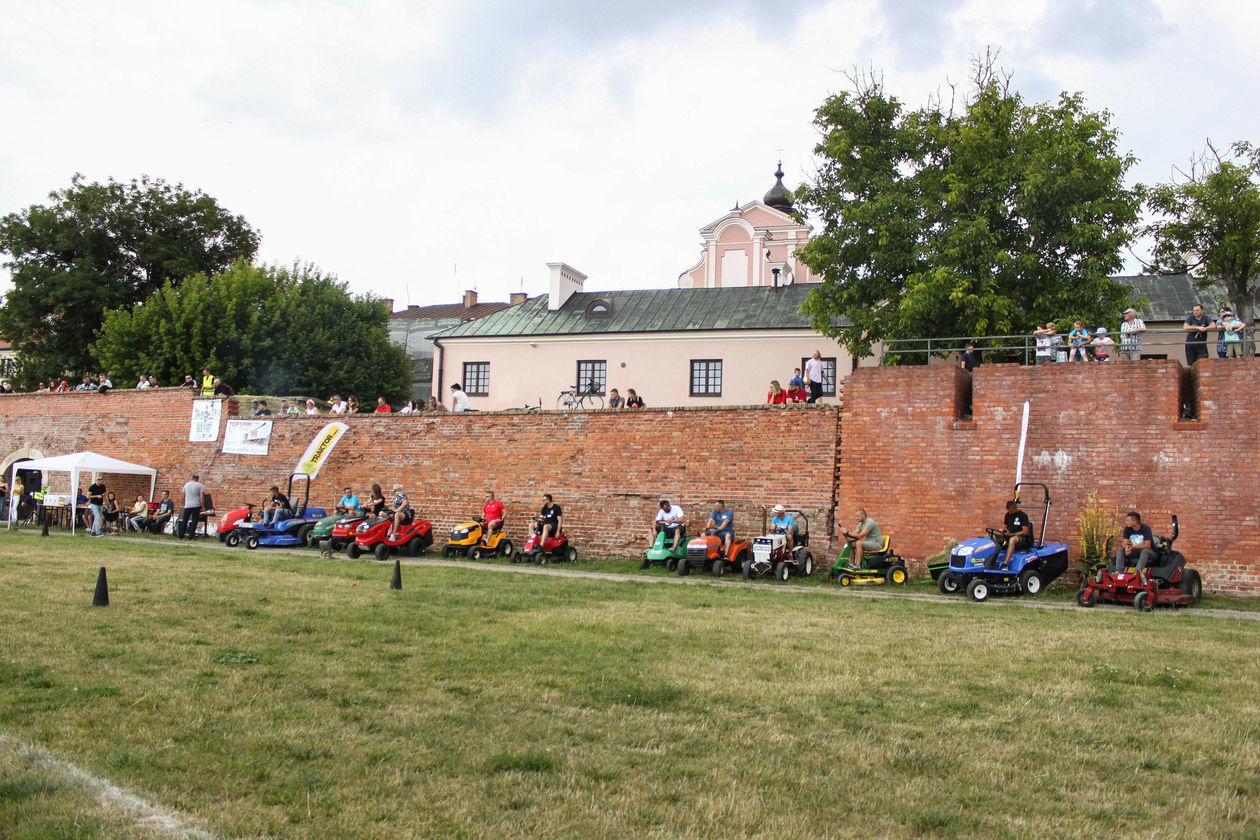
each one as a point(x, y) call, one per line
point(1209, 224)
point(264, 330)
point(982, 219)
point(96, 247)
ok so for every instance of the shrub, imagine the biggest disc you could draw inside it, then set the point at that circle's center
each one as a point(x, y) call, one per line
point(1098, 525)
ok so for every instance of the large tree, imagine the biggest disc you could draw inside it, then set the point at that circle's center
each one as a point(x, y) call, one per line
point(984, 217)
point(96, 247)
point(1207, 222)
point(263, 330)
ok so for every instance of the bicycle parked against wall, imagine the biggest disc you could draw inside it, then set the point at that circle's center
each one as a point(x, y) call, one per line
point(577, 398)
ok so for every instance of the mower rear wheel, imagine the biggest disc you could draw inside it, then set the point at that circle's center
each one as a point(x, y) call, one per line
point(947, 583)
point(304, 533)
point(233, 539)
point(571, 554)
point(833, 576)
point(645, 563)
point(505, 548)
point(1087, 597)
point(353, 551)
point(846, 580)
point(896, 574)
point(382, 551)
point(671, 565)
point(1192, 585)
point(781, 571)
point(978, 589)
point(252, 542)
point(746, 568)
point(1143, 602)
point(414, 546)
point(1030, 581)
point(684, 568)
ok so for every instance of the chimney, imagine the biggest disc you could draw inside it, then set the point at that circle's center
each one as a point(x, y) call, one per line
point(470, 299)
point(517, 297)
point(565, 281)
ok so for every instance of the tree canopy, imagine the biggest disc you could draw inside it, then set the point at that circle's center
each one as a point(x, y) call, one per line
point(266, 330)
point(97, 247)
point(982, 218)
point(1208, 223)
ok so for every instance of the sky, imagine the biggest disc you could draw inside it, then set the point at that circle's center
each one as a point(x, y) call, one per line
point(417, 149)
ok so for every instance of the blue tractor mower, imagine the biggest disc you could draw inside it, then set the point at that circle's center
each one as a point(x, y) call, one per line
point(978, 565)
point(291, 527)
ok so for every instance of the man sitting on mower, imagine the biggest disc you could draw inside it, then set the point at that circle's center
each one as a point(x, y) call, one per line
point(1136, 543)
point(348, 504)
point(671, 520)
point(784, 523)
point(548, 520)
point(1018, 531)
point(865, 537)
point(722, 521)
point(492, 513)
point(275, 507)
point(401, 509)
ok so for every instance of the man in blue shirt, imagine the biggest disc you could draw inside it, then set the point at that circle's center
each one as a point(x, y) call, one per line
point(784, 523)
point(722, 520)
point(349, 503)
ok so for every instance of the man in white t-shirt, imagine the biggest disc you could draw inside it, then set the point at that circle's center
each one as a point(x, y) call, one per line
point(459, 400)
point(336, 405)
point(670, 520)
point(814, 373)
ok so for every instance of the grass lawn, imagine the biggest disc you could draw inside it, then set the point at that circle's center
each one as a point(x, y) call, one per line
point(263, 694)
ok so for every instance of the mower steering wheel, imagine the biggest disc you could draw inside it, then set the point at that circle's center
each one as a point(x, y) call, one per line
point(997, 536)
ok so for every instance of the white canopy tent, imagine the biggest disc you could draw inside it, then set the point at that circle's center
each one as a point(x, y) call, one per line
point(76, 464)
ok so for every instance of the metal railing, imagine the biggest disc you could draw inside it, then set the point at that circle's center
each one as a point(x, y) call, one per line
point(1165, 343)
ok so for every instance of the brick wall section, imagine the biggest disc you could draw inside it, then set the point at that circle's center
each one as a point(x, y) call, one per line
point(608, 470)
point(1109, 429)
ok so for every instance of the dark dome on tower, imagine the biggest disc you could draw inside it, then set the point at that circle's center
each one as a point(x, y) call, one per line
point(779, 198)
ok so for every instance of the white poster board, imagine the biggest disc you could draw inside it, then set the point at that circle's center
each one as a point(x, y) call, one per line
point(205, 421)
point(247, 437)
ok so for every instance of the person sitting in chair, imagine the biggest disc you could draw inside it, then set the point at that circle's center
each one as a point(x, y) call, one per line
point(865, 537)
point(1136, 545)
point(784, 523)
point(671, 520)
point(548, 519)
point(1017, 530)
point(138, 520)
point(165, 510)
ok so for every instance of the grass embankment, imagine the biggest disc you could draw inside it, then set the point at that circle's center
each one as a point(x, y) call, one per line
point(263, 694)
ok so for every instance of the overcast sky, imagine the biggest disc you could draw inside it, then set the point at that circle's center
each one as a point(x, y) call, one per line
point(416, 149)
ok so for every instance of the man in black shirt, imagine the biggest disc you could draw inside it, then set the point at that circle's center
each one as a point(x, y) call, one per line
point(1196, 327)
point(549, 518)
point(96, 500)
point(1136, 543)
point(1018, 531)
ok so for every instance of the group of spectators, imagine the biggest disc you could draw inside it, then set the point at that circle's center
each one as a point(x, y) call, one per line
point(801, 389)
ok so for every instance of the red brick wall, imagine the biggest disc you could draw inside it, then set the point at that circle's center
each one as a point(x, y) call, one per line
point(608, 470)
point(1113, 430)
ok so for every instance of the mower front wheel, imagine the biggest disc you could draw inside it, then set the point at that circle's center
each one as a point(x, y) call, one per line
point(571, 554)
point(645, 563)
point(671, 565)
point(806, 566)
point(473, 552)
point(781, 571)
point(746, 568)
point(947, 583)
point(846, 580)
point(719, 568)
point(1143, 602)
point(353, 551)
point(252, 542)
point(1087, 597)
point(505, 548)
point(1029, 582)
point(233, 539)
point(304, 534)
point(684, 568)
point(832, 576)
point(382, 551)
point(978, 589)
point(516, 557)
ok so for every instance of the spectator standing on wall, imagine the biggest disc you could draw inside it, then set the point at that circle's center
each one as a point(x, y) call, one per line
point(615, 400)
point(1234, 329)
point(815, 377)
point(1102, 345)
point(967, 361)
point(336, 405)
point(188, 382)
point(1196, 326)
point(311, 410)
point(1220, 333)
point(382, 407)
point(104, 385)
point(1131, 329)
point(1048, 339)
point(152, 381)
point(459, 400)
point(1078, 341)
point(143, 383)
point(776, 394)
point(633, 400)
point(194, 498)
point(207, 383)
point(222, 389)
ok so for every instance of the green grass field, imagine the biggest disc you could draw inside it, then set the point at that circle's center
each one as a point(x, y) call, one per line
point(263, 694)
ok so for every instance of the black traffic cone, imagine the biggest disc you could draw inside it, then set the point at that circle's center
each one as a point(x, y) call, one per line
point(396, 583)
point(101, 598)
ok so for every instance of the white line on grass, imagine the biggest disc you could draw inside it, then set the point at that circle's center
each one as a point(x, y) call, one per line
point(148, 816)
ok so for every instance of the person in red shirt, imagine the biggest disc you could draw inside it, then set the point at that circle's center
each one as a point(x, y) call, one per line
point(797, 394)
point(382, 407)
point(492, 513)
point(776, 396)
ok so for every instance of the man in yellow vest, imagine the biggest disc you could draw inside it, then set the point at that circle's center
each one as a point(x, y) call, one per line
point(207, 383)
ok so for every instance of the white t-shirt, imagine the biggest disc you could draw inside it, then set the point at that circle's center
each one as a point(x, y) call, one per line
point(814, 370)
point(338, 407)
point(674, 514)
point(461, 401)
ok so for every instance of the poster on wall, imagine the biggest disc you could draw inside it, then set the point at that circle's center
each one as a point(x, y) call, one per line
point(205, 421)
point(247, 437)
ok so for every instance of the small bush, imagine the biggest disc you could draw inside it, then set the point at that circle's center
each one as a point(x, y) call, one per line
point(1098, 525)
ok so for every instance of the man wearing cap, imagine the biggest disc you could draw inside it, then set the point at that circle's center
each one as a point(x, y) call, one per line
point(784, 523)
point(1131, 329)
point(670, 519)
point(1102, 345)
point(1196, 327)
point(401, 509)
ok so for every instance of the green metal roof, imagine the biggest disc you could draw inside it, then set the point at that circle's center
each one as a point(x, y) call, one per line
point(1170, 297)
point(651, 310)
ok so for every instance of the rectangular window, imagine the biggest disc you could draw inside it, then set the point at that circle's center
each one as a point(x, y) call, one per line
point(476, 379)
point(829, 374)
point(706, 377)
point(592, 376)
